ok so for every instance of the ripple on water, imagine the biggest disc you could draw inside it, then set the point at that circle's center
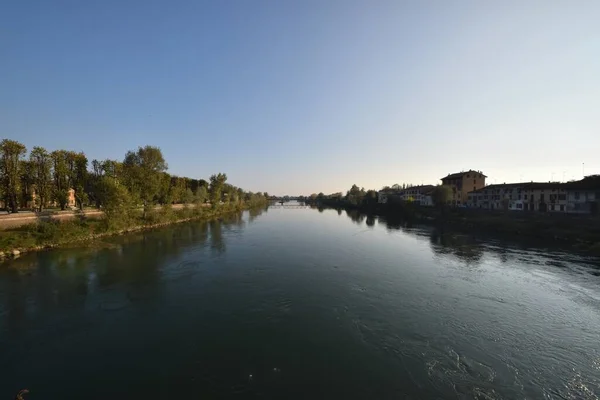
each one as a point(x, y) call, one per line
point(184, 270)
point(451, 370)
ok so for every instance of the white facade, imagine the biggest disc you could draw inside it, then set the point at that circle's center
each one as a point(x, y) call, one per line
point(420, 195)
point(531, 196)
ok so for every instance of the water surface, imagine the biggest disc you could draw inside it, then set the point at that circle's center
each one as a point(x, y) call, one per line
point(296, 303)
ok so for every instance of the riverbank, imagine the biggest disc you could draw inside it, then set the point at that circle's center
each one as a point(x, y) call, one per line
point(47, 234)
point(581, 232)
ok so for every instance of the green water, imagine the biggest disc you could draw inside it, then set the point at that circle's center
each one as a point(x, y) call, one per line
point(296, 303)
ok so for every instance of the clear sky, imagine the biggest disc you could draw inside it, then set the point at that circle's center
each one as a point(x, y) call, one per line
point(295, 97)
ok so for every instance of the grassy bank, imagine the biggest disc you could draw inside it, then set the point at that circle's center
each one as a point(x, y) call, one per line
point(53, 233)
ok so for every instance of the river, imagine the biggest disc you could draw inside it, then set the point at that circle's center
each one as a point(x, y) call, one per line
point(297, 303)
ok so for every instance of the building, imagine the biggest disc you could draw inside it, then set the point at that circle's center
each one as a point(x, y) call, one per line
point(420, 195)
point(583, 197)
point(462, 183)
point(526, 196)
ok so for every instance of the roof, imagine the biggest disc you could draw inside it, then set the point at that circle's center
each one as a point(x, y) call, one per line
point(523, 185)
point(422, 188)
point(461, 174)
point(391, 191)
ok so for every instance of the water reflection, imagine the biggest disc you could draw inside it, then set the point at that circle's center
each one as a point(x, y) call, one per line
point(256, 212)
point(463, 247)
point(37, 285)
point(356, 216)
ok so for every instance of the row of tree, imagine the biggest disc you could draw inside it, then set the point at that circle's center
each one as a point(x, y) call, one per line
point(48, 178)
point(359, 198)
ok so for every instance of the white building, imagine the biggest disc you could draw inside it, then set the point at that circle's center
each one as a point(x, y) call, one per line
point(420, 195)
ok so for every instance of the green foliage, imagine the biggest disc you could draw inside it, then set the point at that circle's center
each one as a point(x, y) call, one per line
point(201, 195)
point(117, 202)
point(188, 196)
point(79, 178)
point(441, 195)
point(11, 154)
point(217, 183)
point(60, 165)
point(143, 172)
point(41, 171)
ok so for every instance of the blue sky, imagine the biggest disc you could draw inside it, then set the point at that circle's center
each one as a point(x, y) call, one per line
point(294, 97)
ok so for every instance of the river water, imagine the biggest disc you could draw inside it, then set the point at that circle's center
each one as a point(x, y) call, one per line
point(297, 303)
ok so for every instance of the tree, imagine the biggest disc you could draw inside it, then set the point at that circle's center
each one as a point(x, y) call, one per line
point(142, 170)
point(79, 178)
point(355, 195)
point(41, 168)
point(441, 195)
point(201, 195)
point(116, 202)
point(27, 184)
point(188, 196)
point(177, 189)
point(11, 153)
point(61, 177)
point(217, 183)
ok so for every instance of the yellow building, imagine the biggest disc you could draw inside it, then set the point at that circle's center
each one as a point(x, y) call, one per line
point(462, 183)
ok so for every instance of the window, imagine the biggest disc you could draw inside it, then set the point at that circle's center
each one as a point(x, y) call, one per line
point(474, 181)
point(474, 188)
point(562, 196)
point(468, 176)
point(552, 207)
point(519, 197)
point(562, 207)
point(576, 195)
point(510, 196)
point(519, 205)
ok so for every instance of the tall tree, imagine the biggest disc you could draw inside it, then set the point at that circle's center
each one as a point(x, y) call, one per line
point(27, 184)
point(217, 183)
point(11, 154)
point(61, 177)
point(80, 177)
point(42, 176)
point(201, 195)
point(441, 196)
point(143, 169)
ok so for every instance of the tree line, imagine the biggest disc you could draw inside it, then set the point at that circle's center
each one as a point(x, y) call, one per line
point(45, 178)
point(360, 198)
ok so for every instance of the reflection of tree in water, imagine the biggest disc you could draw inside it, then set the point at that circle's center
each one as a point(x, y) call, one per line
point(355, 216)
point(461, 246)
point(392, 223)
point(339, 211)
point(370, 220)
point(121, 270)
point(216, 237)
point(256, 212)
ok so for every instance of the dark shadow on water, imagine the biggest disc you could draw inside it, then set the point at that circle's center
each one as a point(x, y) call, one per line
point(466, 247)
